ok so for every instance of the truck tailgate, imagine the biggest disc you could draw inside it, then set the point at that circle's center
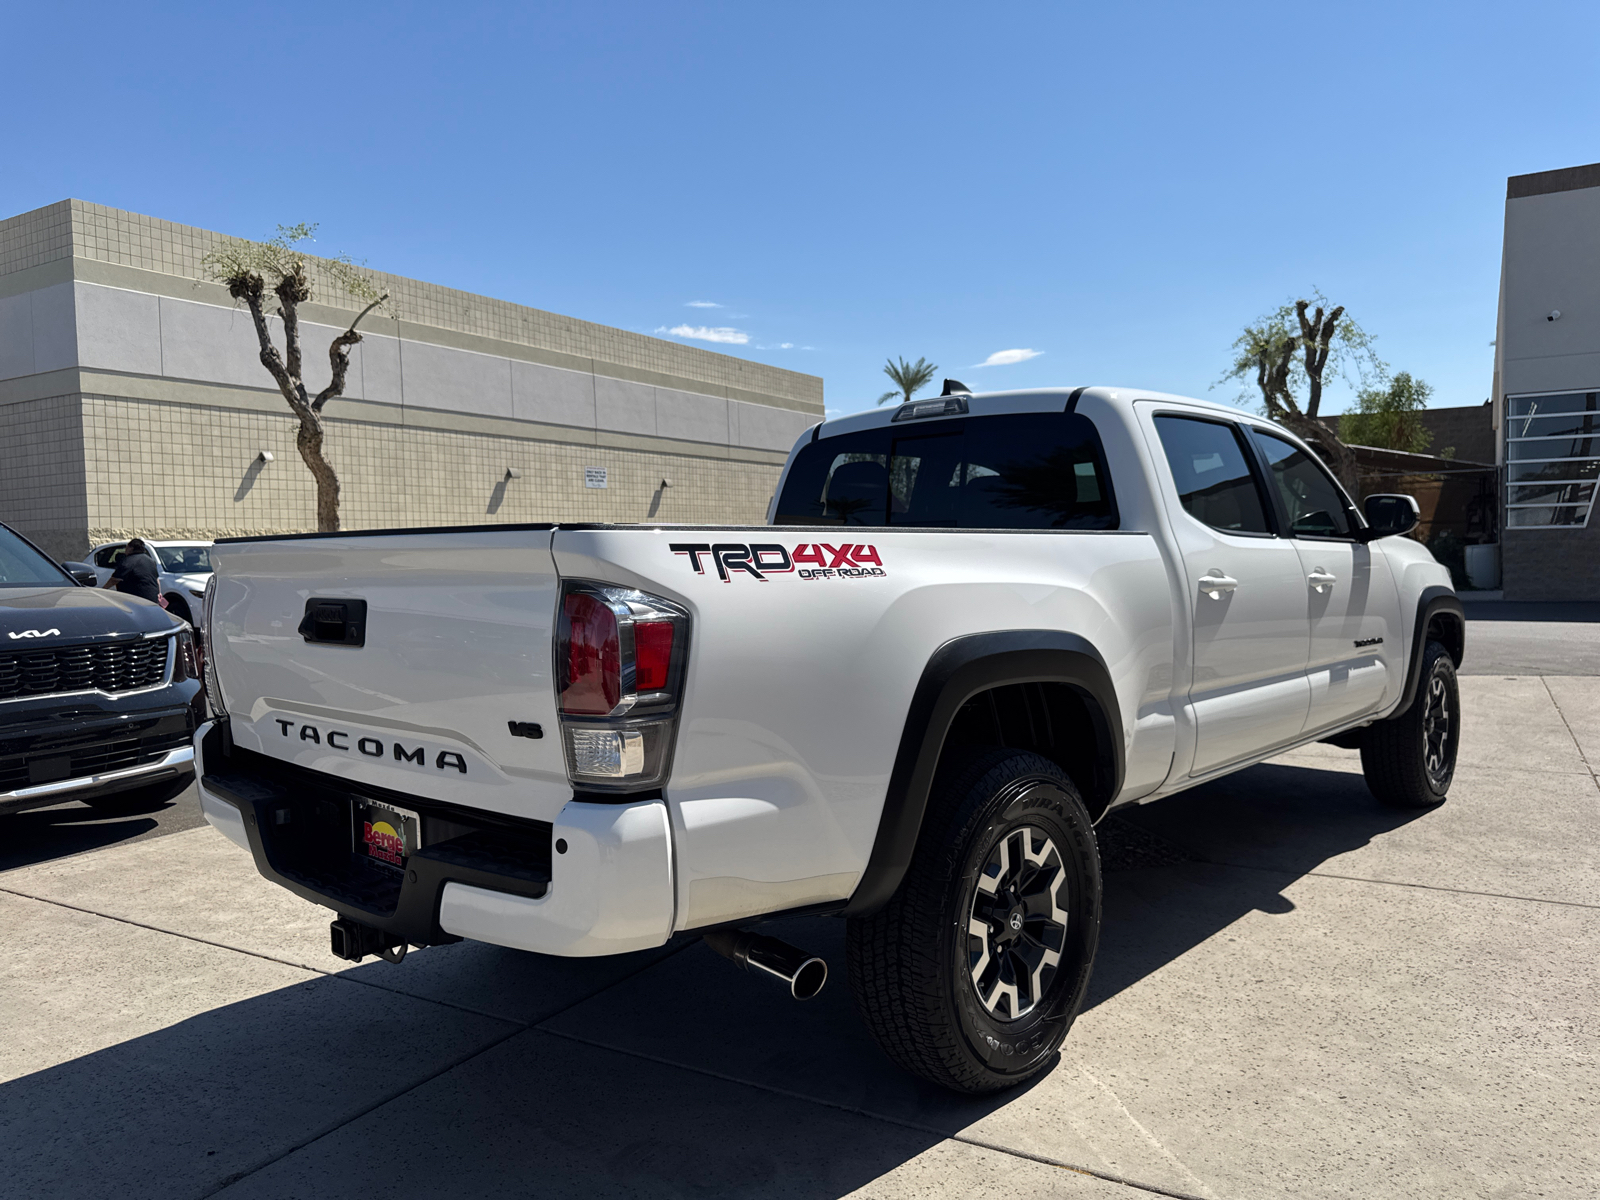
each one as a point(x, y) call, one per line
point(455, 652)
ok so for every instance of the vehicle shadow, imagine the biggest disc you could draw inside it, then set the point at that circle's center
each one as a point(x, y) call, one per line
point(39, 835)
point(329, 1088)
point(686, 1076)
point(1267, 826)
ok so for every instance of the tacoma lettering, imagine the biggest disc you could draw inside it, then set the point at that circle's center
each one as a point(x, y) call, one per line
point(339, 739)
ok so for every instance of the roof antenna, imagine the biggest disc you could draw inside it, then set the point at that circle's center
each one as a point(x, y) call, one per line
point(952, 386)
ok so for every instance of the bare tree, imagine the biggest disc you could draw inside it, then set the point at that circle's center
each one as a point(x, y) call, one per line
point(1295, 348)
point(255, 273)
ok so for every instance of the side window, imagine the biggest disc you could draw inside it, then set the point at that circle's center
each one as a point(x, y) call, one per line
point(108, 557)
point(1012, 471)
point(1213, 475)
point(1315, 505)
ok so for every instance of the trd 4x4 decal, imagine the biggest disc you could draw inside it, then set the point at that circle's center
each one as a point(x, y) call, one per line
point(761, 559)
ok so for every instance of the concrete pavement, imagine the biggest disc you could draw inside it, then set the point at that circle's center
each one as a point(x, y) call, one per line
point(1298, 992)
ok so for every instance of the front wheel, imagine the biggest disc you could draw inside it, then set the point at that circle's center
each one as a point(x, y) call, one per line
point(1410, 760)
point(974, 971)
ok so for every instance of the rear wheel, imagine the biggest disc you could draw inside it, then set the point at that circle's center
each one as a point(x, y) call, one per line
point(1409, 761)
point(973, 972)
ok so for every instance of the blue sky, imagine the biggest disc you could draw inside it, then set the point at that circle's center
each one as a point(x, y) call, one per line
point(1117, 188)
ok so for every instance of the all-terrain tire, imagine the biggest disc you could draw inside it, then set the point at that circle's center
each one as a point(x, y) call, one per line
point(1006, 845)
point(1410, 760)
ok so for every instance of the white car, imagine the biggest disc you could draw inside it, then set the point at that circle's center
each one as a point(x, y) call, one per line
point(1030, 607)
point(185, 569)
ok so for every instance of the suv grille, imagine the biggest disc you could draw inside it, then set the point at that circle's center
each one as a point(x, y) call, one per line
point(107, 667)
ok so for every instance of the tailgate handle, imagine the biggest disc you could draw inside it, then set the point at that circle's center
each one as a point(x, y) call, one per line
point(335, 622)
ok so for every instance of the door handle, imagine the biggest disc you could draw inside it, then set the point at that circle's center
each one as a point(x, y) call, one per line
point(1213, 583)
point(1320, 579)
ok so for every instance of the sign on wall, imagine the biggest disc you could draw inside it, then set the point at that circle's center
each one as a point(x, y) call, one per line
point(594, 477)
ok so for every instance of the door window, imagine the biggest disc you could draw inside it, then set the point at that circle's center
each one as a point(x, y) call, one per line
point(1213, 475)
point(1315, 505)
point(108, 556)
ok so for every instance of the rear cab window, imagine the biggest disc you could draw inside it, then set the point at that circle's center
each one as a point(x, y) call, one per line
point(1011, 471)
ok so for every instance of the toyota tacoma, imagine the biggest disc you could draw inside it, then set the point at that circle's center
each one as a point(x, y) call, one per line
point(971, 627)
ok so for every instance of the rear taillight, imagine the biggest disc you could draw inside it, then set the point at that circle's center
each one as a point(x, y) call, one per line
point(208, 647)
point(592, 682)
point(620, 657)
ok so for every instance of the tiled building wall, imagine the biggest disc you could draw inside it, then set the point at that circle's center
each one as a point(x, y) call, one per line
point(100, 234)
point(42, 472)
point(203, 462)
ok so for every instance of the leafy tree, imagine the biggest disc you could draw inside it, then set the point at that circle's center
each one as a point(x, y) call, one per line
point(907, 377)
point(1292, 350)
point(1388, 417)
point(255, 273)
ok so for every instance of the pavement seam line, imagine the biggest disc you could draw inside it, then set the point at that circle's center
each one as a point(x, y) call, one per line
point(1427, 887)
point(188, 937)
point(336, 1125)
point(526, 1024)
point(517, 1027)
point(967, 1139)
point(1567, 725)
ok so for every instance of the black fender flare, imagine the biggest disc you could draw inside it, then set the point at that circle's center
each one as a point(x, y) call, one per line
point(957, 671)
point(1435, 601)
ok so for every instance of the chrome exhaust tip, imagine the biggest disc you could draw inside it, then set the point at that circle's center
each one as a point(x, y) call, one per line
point(804, 974)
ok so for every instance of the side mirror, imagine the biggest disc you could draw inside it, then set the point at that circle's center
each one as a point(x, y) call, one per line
point(82, 572)
point(1388, 515)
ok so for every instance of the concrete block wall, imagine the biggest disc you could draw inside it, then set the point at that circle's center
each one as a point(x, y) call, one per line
point(1551, 564)
point(197, 474)
point(96, 234)
point(42, 473)
point(147, 377)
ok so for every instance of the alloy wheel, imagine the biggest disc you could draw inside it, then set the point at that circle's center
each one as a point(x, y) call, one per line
point(1017, 925)
point(1436, 731)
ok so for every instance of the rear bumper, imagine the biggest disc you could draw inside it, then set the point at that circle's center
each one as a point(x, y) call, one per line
point(597, 881)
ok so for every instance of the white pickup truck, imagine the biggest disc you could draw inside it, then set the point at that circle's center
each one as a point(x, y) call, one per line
point(972, 626)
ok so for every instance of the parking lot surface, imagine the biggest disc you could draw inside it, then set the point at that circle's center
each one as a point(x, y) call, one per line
point(1298, 992)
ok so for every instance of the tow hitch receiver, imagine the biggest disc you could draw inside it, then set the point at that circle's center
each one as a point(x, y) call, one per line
point(353, 941)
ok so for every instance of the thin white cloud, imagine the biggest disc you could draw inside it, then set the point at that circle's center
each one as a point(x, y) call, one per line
point(777, 346)
point(702, 304)
point(705, 333)
point(1005, 358)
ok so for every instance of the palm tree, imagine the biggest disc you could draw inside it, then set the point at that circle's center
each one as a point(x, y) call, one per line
point(908, 377)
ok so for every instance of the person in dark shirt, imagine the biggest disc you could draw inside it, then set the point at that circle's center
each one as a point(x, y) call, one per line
point(137, 573)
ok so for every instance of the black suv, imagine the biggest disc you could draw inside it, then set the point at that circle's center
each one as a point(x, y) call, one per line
point(99, 692)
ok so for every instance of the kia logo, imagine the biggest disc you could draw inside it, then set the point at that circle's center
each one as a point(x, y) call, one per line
point(27, 633)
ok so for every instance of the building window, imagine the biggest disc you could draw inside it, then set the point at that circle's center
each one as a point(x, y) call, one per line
point(1552, 459)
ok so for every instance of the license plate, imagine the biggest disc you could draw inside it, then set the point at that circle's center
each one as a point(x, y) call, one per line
point(386, 835)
